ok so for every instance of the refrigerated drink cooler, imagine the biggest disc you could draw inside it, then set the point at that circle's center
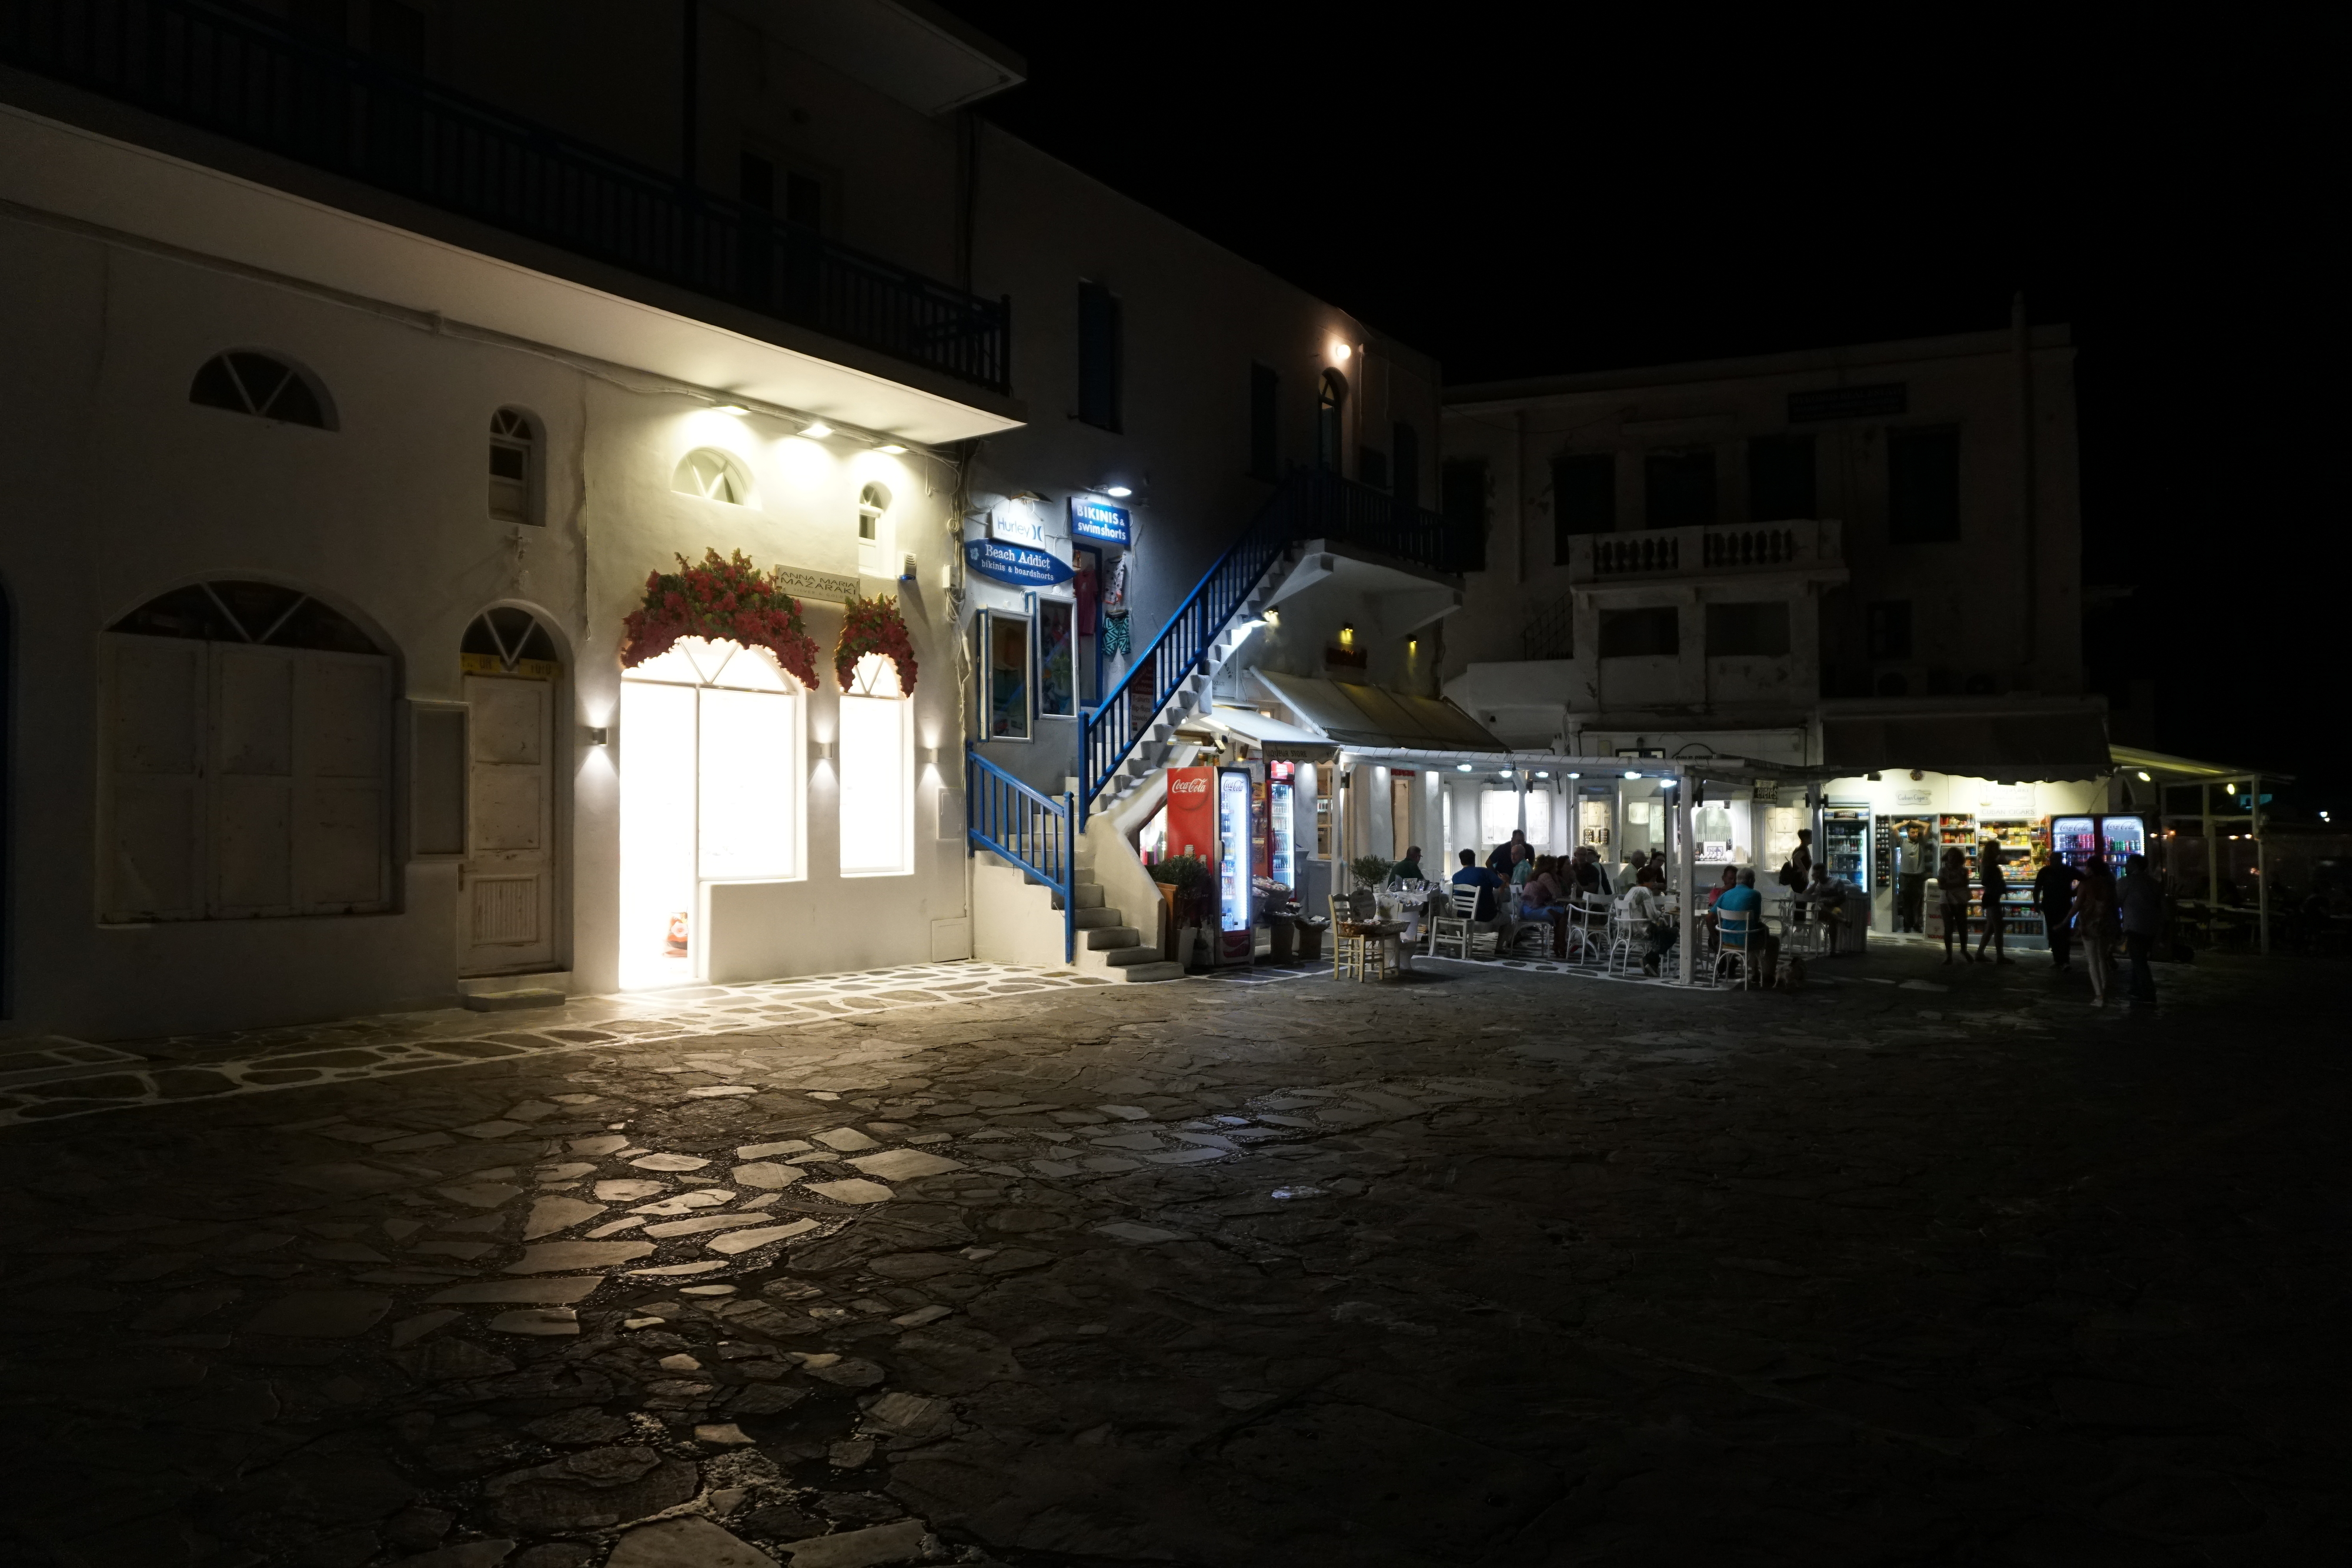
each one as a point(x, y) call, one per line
point(1846, 851)
point(2114, 835)
point(1237, 909)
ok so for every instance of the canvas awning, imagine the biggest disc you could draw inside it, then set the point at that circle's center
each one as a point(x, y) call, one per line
point(2012, 747)
point(1376, 716)
point(1281, 742)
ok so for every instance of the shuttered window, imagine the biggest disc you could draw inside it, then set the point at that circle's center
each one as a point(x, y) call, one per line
point(1099, 356)
point(246, 782)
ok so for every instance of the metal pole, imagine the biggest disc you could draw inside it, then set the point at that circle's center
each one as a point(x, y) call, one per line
point(2262, 879)
point(2212, 858)
point(1685, 878)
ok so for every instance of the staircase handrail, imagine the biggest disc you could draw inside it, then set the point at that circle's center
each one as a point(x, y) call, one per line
point(1310, 503)
point(1016, 822)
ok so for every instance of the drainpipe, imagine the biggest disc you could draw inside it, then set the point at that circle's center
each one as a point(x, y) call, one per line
point(691, 94)
point(2022, 348)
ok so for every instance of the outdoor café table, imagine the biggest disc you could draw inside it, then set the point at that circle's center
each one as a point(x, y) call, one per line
point(1389, 934)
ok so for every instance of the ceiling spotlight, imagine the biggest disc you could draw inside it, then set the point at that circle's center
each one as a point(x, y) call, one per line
point(732, 408)
point(2143, 778)
point(1576, 776)
point(1461, 767)
point(817, 430)
point(1542, 773)
point(1632, 773)
point(1118, 492)
point(890, 448)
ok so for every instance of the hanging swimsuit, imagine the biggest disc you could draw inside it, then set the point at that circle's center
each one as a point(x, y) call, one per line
point(1116, 639)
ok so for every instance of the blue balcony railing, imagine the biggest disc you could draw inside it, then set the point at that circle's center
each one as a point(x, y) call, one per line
point(242, 73)
point(1311, 504)
point(1030, 830)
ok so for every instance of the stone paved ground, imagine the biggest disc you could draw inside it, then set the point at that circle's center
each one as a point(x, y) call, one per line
point(1485, 1268)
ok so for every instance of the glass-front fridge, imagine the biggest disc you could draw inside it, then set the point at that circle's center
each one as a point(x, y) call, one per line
point(1281, 790)
point(2074, 840)
point(2120, 837)
point(1845, 844)
point(1236, 919)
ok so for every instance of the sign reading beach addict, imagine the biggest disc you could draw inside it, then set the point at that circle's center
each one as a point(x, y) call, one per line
point(1099, 521)
point(1016, 564)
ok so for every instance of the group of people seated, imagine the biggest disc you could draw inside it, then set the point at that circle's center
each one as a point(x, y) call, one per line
point(1515, 884)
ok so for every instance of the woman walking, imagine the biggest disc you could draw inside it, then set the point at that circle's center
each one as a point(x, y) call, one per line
point(1995, 884)
point(1952, 893)
point(2095, 909)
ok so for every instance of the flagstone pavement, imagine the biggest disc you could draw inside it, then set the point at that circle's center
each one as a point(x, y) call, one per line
point(962, 1264)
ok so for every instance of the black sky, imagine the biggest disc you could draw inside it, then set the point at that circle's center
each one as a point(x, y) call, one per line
point(1528, 190)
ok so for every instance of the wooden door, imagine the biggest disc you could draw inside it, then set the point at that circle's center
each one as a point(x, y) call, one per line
point(506, 887)
point(1402, 826)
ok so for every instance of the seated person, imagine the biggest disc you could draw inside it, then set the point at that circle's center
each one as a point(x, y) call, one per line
point(1489, 886)
point(1653, 916)
point(1409, 869)
point(1730, 880)
point(1745, 900)
point(1544, 890)
point(1589, 883)
point(1826, 894)
point(1523, 869)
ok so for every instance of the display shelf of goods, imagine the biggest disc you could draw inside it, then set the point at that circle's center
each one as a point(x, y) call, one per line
point(874, 626)
point(725, 600)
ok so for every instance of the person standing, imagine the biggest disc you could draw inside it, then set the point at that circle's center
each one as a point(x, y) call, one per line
point(1995, 884)
point(1506, 855)
point(1797, 872)
point(1911, 862)
point(2141, 904)
point(2053, 894)
point(1952, 896)
point(2095, 907)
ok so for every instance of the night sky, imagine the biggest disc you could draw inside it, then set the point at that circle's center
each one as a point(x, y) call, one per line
point(1552, 190)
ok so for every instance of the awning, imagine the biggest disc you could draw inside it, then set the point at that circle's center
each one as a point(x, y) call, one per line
point(2013, 748)
point(1364, 716)
point(2166, 769)
point(1281, 742)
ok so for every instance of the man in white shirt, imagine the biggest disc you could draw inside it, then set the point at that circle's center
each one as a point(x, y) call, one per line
point(1912, 860)
point(1654, 917)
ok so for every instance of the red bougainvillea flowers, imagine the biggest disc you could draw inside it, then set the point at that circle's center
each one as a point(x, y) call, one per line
point(874, 626)
point(723, 600)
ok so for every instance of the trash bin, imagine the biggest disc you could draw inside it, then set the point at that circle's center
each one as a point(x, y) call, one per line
point(1284, 932)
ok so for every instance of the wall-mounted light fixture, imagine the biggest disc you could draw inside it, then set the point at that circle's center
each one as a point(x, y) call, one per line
point(1339, 352)
point(817, 430)
point(1274, 617)
point(824, 750)
point(1347, 636)
point(595, 734)
point(929, 755)
point(733, 408)
point(1118, 492)
point(890, 449)
point(2144, 777)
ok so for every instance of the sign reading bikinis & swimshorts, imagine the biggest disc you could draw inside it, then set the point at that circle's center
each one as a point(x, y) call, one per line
point(1099, 522)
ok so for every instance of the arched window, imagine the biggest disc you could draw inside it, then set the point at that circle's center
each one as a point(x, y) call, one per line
point(514, 467)
point(246, 751)
point(871, 502)
point(1329, 402)
point(714, 476)
point(506, 641)
point(245, 382)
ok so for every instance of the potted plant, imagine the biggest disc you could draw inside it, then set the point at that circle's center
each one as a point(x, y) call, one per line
point(1368, 872)
point(1181, 880)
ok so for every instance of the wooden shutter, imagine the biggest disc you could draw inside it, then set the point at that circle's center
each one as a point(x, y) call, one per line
point(341, 850)
point(155, 728)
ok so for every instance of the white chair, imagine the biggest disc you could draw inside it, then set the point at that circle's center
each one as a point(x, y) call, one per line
point(1588, 931)
point(1624, 938)
point(1449, 926)
point(1730, 924)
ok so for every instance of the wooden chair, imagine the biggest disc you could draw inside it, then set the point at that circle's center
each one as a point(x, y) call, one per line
point(1354, 954)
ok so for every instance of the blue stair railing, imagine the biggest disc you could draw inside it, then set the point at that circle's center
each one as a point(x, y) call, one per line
point(1311, 504)
point(1017, 823)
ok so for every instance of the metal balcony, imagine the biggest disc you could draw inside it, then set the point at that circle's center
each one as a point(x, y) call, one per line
point(240, 74)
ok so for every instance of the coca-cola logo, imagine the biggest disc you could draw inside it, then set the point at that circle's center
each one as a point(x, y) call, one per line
point(1189, 786)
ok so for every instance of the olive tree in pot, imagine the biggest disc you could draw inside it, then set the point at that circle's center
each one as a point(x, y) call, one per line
point(1368, 871)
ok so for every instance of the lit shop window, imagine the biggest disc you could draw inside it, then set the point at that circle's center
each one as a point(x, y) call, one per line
point(877, 776)
point(710, 791)
point(1498, 817)
point(713, 476)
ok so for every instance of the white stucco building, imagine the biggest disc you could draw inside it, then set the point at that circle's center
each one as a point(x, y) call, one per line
point(361, 371)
